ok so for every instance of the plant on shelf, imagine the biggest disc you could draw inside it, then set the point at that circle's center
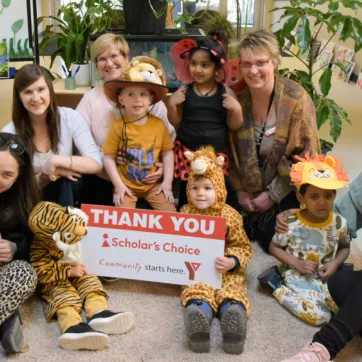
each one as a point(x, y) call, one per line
point(185, 17)
point(306, 19)
point(74, 23)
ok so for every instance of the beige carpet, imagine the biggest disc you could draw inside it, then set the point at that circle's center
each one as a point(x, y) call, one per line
point(273, 333)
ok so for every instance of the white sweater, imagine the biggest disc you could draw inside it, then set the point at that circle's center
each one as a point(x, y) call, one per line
point(73, 129)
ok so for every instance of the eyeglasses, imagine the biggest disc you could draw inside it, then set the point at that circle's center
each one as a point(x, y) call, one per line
point(14, 147)
point(113, 58)
point(259, 64)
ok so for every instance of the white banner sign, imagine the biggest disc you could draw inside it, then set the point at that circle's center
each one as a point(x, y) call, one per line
point(152, 245)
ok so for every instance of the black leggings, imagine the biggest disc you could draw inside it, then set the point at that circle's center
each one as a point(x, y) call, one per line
point(345, 287)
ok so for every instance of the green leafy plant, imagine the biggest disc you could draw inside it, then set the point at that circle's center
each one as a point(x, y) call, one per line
point(301, 19)
point(75, 22)
point(184, 17)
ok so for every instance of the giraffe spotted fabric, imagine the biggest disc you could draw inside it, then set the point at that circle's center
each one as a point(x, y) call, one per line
point(204, 162)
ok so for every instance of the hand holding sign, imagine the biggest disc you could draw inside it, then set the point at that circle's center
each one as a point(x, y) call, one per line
point(223, 264)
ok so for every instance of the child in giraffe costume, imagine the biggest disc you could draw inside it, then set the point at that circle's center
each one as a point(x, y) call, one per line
point(316, 244)
point(206, 195)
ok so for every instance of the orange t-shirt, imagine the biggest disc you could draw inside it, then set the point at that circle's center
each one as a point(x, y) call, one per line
point(145, 144)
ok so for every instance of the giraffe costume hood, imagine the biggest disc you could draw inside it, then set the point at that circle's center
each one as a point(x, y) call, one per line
point(205, 163)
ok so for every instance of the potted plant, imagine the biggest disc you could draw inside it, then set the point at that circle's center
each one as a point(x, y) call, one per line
point(74, 23)
point(148, 17)
point(298, 19)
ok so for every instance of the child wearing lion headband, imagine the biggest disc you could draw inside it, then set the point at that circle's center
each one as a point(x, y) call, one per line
point(316, 244)
point(142, 137)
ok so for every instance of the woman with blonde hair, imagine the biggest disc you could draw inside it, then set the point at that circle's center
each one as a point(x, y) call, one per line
point(279, 122)
point(110, 53)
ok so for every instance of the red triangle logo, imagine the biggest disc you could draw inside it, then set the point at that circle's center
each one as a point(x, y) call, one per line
point(105, 244)
point(196, 266)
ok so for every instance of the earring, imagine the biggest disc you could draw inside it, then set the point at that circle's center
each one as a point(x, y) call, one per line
point(303, 206)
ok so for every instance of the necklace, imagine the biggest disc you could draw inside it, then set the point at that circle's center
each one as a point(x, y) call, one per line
point(207, 93)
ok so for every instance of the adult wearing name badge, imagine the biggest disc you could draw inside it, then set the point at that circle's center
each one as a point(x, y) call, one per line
point(49, 133)
point(110, 54)
point(279, 122)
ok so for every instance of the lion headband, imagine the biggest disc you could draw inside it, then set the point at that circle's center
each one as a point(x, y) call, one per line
point(325, 172)
point(142, 71)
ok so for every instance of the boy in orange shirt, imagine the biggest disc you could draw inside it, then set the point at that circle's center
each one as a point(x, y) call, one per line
point(142, 137)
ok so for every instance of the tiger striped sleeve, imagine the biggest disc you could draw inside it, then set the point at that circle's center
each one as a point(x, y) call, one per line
point(44, 261)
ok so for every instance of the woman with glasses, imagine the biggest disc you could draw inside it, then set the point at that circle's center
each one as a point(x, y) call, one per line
point(110, 54)
point(279, 122)
point(49, 133)
point(19, 193)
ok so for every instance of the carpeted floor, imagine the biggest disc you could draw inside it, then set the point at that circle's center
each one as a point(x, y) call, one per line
point(273, 333)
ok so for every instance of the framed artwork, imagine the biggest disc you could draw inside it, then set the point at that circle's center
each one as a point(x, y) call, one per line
point(343, 54)
point(14, 29)
point(359, 80)
point(324, 59)
point(4, 60)
point(340, 74)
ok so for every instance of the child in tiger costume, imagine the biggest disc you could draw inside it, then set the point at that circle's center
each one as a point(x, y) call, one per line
point(65, 284)
point(206, 193)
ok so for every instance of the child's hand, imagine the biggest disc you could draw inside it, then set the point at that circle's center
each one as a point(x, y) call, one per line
point(224, 264)
point(77, 271)
point(306, 267)
point(230, 103)
point(327, 270)
point(178, 97)
point(119, 192)
point(166, 188)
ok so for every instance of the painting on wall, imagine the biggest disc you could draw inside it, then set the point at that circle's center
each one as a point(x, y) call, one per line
point(4, 61)
point(338, 73)
point(325, 55)
point(14, 29)
point(359, 80)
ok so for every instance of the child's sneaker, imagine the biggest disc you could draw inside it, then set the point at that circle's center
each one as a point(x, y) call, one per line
point(271, 278)
point(82, 336)
point(11, 334)
point(233, 326)
point(197, 318)
point(314, 352)
point(112, 323)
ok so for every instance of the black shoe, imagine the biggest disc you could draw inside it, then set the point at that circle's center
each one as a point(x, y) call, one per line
point(108, 280)
point(11, 334)
point(82, 336)
point(197, 319)
point(112, 323)
point(271, 278)
point(233, 327)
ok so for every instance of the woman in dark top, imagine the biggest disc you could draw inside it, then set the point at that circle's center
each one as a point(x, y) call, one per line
point(19, 193)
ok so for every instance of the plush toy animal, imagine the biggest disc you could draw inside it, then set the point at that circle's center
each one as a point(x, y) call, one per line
point(65, 284)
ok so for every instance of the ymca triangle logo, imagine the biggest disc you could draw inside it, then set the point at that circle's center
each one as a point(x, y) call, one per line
point(196, 266)
point(105, 244)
